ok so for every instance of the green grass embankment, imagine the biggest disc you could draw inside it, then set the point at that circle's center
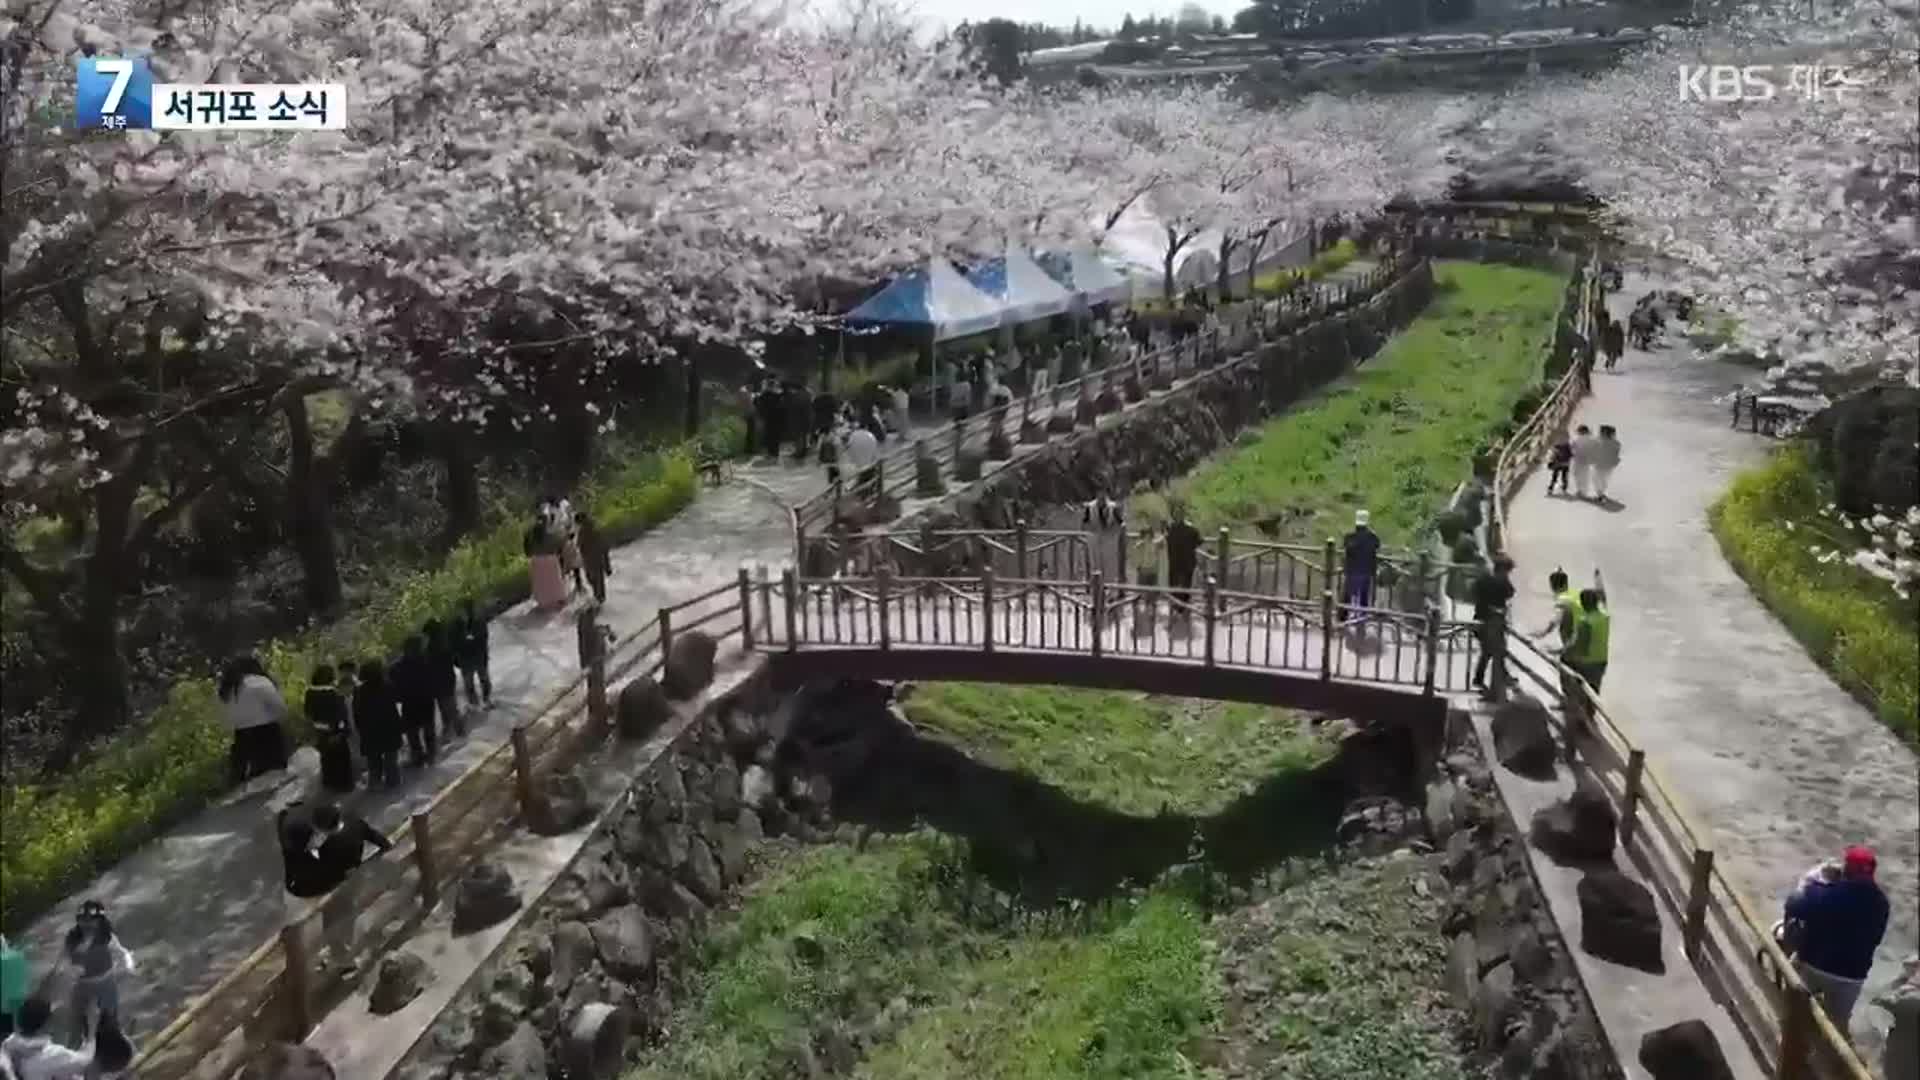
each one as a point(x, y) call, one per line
point(1768, 524)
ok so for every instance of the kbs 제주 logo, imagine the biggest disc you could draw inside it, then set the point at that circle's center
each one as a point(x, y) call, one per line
point(113, 92)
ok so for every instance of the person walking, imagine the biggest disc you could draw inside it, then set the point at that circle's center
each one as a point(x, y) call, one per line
point(1183, 555)
point(376, 718)
point(1492, 592)
point(471, 654)
point(446, 678)
point(343, 841)
point(16, 985)
point(326, 710)
point(1559, 461)
point(1587, 654)
point(1606, 458)
point(1901, 1056)
point(542, 546)
point(1362, 559)
point(595, 559)
point(863, 457)
point(33, 1055)
point(1582, 460)
point(1566, 609)
point(1614, 340)
point(412, 680)
point(256, 714)
point(902, 418)
point(1840, 926)
point(98, 960)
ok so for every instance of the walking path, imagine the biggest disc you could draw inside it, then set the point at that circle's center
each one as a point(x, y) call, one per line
point(1779, 763)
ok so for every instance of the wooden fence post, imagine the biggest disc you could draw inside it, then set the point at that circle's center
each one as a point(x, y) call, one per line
point(1497, 637)
point(1630, 813)
point(882, 586)
point(1329, 567)
point(799, 540)
point(986, 608)
point(877, 490)
point(1020, 549)
point(597, 711)
point(425, 860)
point(1224, 555)
point(959, 438)
point(666, 633)
point(1212, 594)
point(790, 590)
point(1121, 554)
point(746, 607)
point(299, 973)
point(1699, 891)
point(1326, 635)
point(522, 772)
point(1432, 648)
point(1099, 614)
point(1796, 1034)
point(761, 581)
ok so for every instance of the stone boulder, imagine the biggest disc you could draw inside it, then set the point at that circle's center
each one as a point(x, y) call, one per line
point(596, 1042)
point(520, 1057)
point(624, 942)
point(1619, 922)
point(999, 447)
point(483, 897)
point(967, 465)
point(572, 950)
point(1523, 738)
point(689, 667)
point(288, 1061)
point(641, 709)
point(1441, 797)
point(563, 802)
point(702, 871)
point(1106, 402)
point(1578, 828)
point(1687, 1050)
point(927, 483)
point(399, 979)
point(1377, 824)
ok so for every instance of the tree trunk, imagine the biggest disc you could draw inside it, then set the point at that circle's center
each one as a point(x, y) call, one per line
point(462, 483)
point(310, 514)
point(571, 455)
point(1166, 272)
point(1225, 282)
point(1253, 260)
point(692, 367)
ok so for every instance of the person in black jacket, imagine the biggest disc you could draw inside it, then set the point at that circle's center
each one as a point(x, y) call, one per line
point(343, 840)
point(446, 678)
point(376, 716)
point(594, 556)
point(471, 654)
point(304, 877)
point(413, 688)
point(1183, 555)
point(332, 730)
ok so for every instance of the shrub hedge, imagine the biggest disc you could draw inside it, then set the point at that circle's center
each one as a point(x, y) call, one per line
point(60, 833)
point(1852, 623)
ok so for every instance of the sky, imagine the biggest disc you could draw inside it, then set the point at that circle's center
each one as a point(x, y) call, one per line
point(1062, 13)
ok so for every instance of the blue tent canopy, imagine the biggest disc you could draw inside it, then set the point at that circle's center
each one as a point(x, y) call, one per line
point(1021, 285)
point(935, 297)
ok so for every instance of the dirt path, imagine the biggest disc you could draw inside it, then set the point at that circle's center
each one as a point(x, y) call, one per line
point(1775, 759)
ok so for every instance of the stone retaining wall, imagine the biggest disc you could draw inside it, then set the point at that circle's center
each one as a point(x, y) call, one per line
point(588, 976)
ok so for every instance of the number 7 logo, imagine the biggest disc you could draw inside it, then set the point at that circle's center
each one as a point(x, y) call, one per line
point(114, 93)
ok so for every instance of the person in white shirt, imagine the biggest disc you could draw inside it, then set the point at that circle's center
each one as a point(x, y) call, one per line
point(33, 1055)
point(255, 713)
point(862, 454)
point(1582, 460)
point(1606, 458)
point(902, 423)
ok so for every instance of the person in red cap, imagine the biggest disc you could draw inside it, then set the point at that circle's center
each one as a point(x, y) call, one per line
point(1840, 923)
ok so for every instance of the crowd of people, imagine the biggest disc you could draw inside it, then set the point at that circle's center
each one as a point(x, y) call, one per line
point(1588, 459)
point(95, 1046)
point(363, 712)
point(563, 544)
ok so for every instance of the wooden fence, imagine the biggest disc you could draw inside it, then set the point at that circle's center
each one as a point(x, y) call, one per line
point(991, 434)
point(278, 993)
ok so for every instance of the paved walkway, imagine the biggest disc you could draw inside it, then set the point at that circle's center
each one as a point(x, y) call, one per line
point(1776, 760)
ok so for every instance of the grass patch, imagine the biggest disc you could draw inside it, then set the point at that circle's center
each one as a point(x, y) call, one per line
point(1395, 436)
point(839, 940)
point(1849, 621)
point(1133, 753)
point(174, 765)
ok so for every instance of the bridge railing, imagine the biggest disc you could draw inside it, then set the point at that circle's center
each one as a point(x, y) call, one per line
point(1018, 552)
point(1204, 624)
point(1729, 944)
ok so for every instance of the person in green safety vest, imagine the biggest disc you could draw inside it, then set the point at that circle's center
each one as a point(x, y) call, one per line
point(1588, 652)
point(1566, 609)
point(14, 984)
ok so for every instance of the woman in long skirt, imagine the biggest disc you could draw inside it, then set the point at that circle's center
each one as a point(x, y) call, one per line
point(543, 566)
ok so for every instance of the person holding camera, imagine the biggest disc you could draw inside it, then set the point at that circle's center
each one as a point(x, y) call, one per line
point(99, 960)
